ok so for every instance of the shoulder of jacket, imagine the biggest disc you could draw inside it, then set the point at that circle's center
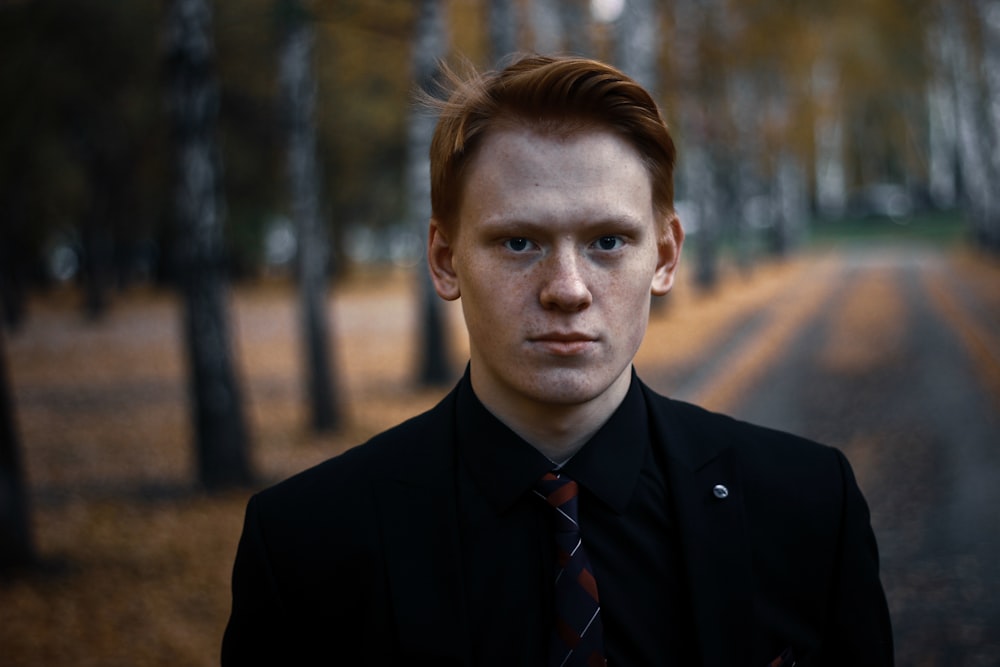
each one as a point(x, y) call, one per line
point(722, 430)
point(383, 455)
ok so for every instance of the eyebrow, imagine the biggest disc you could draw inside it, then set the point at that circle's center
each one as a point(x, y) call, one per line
point(517, 225)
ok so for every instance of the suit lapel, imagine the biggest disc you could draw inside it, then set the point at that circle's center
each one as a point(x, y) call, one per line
point(713, 532)
point(717, 557)
point(419, 521)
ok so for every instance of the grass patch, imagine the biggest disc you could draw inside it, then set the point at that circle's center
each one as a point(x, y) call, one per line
point(947, 228)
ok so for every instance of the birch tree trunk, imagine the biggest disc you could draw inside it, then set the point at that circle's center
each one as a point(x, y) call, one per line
point(790, 186)
point(219, 425)
point(989, 22)
point(752, 206)
point(831, 173)
point(298, 90)
point(430, 45)
point(976, 96)
point(942, 144)
point(793, 203)
point(697, 168)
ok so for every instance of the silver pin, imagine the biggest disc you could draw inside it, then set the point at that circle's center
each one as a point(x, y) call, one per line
point(720, 492)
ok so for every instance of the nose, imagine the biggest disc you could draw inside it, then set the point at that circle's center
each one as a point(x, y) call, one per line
point(564, 285)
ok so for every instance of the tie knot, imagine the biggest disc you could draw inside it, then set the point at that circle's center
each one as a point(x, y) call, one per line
point(560, 492)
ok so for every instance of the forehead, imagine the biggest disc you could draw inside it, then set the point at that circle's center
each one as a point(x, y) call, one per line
point(522, 173)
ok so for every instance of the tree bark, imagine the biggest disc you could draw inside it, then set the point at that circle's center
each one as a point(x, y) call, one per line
point(298, 85)
point(220, 431)
point(430, 45)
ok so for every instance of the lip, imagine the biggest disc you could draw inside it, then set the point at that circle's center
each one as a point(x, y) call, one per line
point(563, 344)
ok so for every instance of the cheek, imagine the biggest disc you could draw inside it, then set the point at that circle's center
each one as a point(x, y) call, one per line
point(628, 300)
point(490, 308)
point(628, 289)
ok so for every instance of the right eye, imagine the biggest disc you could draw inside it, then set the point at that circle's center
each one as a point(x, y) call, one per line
point(517, 244)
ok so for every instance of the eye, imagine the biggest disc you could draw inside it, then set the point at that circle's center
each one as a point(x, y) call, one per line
point(609, 242)
point(517, 244)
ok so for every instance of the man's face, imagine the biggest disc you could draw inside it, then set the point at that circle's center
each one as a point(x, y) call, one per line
point(556, 254)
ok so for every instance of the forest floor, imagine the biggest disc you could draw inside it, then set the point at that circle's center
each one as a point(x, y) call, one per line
point(136, 559)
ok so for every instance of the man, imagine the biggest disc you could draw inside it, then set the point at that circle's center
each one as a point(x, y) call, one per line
point(552, 509)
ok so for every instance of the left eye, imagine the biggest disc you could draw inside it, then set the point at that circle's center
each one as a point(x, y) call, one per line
point(609, 242)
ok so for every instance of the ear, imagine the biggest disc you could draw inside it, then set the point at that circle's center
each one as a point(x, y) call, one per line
point(668, 249)
point(440, 256)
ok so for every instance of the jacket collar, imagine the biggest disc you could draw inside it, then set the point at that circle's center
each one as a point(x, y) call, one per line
point(505, 467)
point(707, 490)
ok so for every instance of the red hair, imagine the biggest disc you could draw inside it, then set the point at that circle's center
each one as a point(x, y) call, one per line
point(559, 95)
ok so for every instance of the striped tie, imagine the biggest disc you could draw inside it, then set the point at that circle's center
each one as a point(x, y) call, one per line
point(577, 634)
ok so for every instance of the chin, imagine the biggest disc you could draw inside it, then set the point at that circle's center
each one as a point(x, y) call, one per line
point(569, 387)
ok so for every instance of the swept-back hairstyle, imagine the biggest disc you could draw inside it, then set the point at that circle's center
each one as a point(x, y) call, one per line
point(556, 95)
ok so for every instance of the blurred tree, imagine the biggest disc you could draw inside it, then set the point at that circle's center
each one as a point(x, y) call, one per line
point(298, 85)
point(220, 428)
point(18, 245)
point(839, 86)
point(547, 26)
point(830, 170)
point(502, 24)
point(361, 116)
point(638, 42)
point(71, 141)
point(698, 125)
point(965, 41)
point(251, 135)
point(17, 548)
point(576, 26)
point(430, 45)
point(942, 132)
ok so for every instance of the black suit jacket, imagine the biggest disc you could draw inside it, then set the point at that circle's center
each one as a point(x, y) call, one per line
point(356, 561)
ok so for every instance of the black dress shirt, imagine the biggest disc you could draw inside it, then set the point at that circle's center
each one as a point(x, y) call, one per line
point(626, 523)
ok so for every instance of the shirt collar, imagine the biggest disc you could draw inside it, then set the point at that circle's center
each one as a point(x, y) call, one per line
point(504, 466)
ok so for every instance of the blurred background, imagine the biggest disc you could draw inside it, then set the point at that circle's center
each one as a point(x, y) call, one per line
point(212, 217)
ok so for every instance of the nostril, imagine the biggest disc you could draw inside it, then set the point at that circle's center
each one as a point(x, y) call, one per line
point(571, 295)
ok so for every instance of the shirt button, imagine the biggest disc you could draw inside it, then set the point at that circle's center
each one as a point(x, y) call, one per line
point(720, 492)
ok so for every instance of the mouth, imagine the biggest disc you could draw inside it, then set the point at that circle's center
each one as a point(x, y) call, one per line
point(563, 344)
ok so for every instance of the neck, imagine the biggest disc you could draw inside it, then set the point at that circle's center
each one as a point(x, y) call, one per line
point(556, 430)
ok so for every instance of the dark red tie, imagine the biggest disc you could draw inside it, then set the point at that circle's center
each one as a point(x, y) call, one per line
point(577, 637)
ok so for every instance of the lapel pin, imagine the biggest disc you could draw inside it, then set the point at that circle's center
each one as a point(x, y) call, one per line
point(720, 492)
